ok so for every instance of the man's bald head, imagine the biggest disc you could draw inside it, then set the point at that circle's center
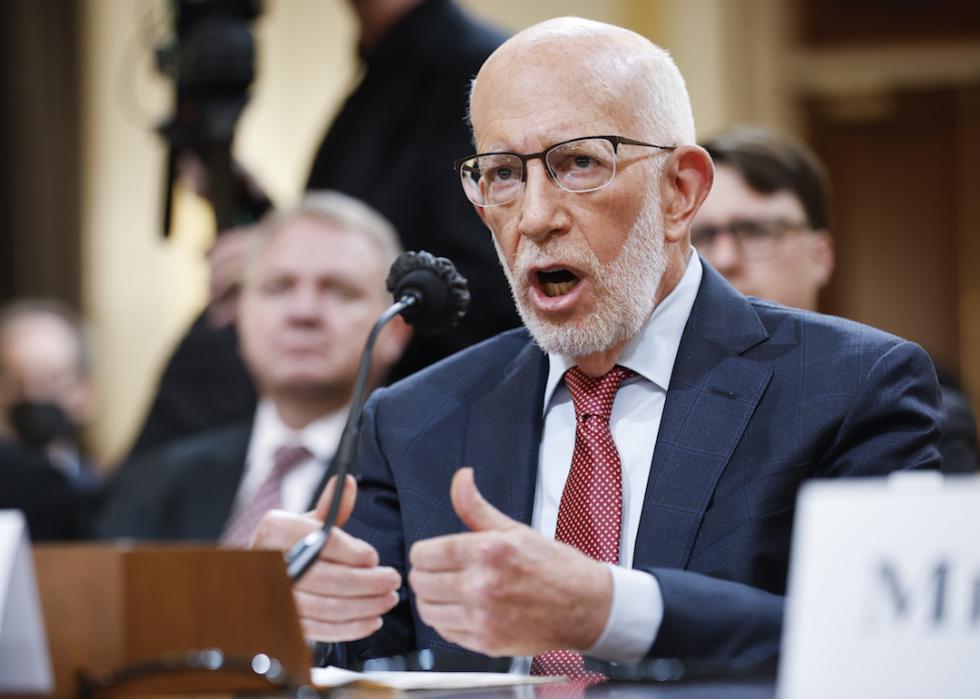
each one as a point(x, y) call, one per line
point(587, 265)
point(620, 68)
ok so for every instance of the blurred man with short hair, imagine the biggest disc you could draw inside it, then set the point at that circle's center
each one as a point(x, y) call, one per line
point(314, 284)
point(766, 222)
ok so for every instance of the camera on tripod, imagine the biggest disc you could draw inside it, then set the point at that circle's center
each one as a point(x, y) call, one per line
point(211, 61)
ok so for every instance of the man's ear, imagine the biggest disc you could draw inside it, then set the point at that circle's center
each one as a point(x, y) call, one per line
point(822, 252)
point(685, 182)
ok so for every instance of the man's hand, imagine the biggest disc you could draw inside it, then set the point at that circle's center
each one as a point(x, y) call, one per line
point(345, 592)
point(226, 262)
point(503, 589)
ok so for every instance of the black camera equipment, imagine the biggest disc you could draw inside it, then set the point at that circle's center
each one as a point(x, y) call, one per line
point(211, 60)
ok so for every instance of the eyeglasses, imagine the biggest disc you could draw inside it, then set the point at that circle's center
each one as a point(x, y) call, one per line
point(755, 239)
point(577, 165)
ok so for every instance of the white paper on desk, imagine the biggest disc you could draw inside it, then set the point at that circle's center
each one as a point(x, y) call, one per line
point(24, 662)
point(324, 677)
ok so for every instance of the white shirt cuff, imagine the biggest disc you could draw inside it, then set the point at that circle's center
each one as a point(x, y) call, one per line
point(635, 617)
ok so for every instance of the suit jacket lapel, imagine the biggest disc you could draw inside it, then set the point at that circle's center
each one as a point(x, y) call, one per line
point(505, 433)
point(713, 393)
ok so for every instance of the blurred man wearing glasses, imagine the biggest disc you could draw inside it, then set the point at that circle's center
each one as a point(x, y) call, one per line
point(766, 227)
point(633, 454)
point(765, 224)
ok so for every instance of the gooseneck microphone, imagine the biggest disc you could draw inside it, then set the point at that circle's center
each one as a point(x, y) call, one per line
point(432, 297)
point(440, 292)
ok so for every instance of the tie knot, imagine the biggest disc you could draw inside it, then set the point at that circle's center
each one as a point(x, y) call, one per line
point(595, 395)
point(288, 456)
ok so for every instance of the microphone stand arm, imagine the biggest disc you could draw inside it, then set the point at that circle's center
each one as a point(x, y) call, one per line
point(301, 556)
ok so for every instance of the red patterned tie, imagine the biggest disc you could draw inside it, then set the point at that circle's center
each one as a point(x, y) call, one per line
point(241, 526)
point(591, 508)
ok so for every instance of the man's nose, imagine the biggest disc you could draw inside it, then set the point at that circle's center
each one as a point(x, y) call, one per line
point(724, 254)
point(304, 305)
point(542, 213)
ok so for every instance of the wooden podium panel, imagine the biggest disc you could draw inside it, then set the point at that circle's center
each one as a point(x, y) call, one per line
point(106, 607)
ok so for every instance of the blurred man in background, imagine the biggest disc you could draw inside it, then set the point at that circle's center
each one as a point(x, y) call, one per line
point(46, 398)
point(766, 227)
point(765, 224)
point(393, 143)
point(391, 146)
point(312, 290)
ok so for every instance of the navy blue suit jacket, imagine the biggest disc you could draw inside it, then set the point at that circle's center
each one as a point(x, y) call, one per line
point(761, 397)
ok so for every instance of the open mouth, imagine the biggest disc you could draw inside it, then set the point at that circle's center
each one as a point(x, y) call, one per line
point(556, 282)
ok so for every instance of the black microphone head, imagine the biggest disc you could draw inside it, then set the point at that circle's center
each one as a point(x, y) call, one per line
point(440, 292)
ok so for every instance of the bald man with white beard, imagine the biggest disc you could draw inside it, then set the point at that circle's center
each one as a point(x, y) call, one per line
point(618, 478)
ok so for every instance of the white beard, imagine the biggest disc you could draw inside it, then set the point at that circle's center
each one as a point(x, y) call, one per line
point(625, 289)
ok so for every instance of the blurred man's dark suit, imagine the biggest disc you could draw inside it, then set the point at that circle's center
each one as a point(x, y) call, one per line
point(959, 446)
point(184, 490)
point(393, 144)
point(28, 482)
point(761, 397)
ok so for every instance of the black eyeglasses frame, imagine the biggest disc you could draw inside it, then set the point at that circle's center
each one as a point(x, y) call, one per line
point(616, 141)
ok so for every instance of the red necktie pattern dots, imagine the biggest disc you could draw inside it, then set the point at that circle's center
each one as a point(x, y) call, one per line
point(591, 509)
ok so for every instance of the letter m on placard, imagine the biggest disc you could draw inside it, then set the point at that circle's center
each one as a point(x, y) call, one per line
point(915, 598)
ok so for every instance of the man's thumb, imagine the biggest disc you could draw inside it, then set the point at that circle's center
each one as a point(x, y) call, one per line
point(476, 513)
point(347, 500)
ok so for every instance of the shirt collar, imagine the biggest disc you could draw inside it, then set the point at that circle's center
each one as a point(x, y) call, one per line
point(652, 352)
point(269, 433)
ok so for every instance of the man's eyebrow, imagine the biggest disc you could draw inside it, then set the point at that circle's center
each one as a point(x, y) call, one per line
point(497, 147)
point(340, 276)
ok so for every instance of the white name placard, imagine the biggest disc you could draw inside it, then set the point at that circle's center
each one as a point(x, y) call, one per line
point(24, 662)
point(884, 590)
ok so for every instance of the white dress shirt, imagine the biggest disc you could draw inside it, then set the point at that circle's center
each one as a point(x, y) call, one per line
point(637, 607)
point(269, 432)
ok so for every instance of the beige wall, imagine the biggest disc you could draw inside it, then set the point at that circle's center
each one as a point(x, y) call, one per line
point(140, 290)
point(699, 36)
point(137, 288)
